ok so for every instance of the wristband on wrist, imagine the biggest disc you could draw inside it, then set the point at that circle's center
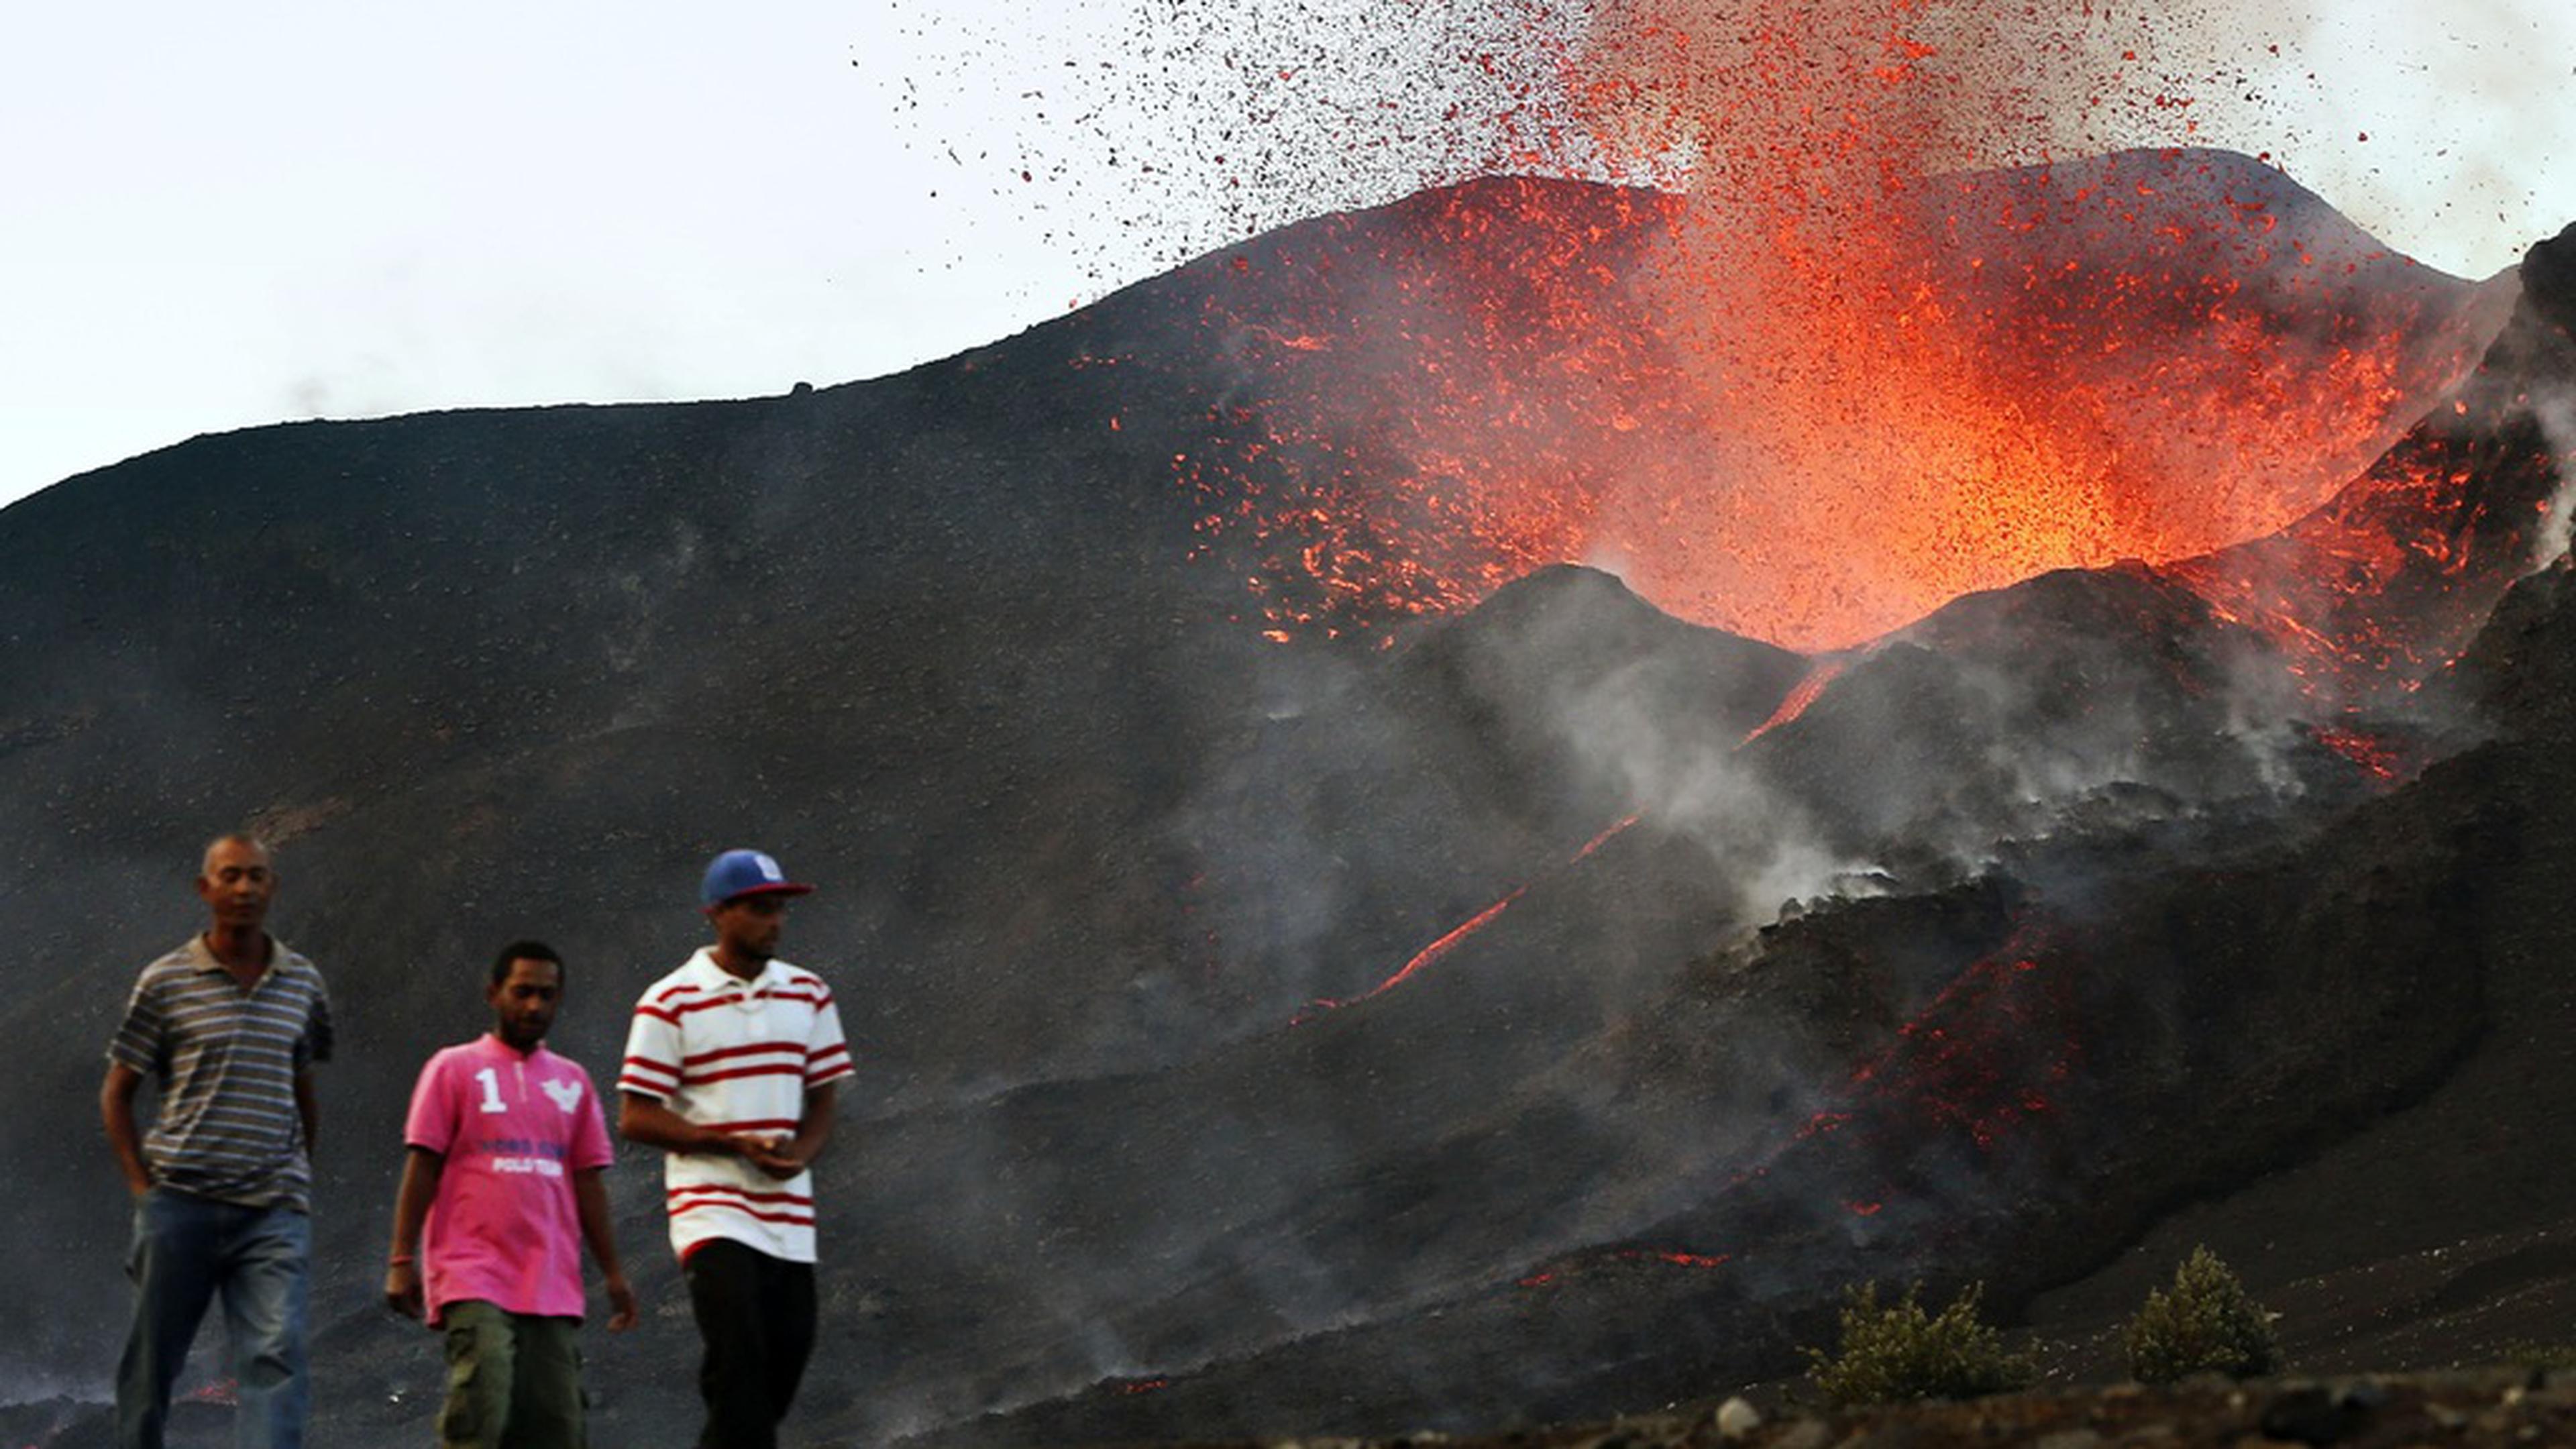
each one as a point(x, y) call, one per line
point(399, 1260)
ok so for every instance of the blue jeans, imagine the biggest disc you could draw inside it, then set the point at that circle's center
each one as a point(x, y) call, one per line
point(188, 1249)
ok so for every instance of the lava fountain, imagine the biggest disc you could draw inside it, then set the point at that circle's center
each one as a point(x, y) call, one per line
point(1813, 386)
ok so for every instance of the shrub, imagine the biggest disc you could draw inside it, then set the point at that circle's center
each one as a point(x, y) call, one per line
point(2203, 1324)
point(1898, 1352)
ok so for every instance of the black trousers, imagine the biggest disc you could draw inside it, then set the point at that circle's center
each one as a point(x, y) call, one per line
point(756, 1315)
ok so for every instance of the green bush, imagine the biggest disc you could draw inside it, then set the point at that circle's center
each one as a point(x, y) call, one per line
point(1899, 1352)
point(2204, 1324)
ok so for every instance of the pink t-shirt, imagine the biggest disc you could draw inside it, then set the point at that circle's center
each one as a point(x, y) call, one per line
point(513, 1130)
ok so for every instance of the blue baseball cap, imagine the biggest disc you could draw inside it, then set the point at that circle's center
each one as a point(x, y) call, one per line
point(746, 873)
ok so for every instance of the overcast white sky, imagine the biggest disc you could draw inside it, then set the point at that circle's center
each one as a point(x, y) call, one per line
point(218, 216)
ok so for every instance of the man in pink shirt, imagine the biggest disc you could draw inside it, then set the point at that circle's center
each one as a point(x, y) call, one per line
point(499, 1191)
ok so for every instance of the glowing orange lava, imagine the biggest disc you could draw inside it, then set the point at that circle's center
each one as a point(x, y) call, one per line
point(1800, 695)
point(1818, 388)
point(1451, 939)
point(2369, 596)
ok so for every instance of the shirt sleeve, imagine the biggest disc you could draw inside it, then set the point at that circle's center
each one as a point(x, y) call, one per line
point(432, 1122)
point(827, 1052)
point(315, 1044)
point(652, 1065)
point(590, 1145)
point(139, 1038)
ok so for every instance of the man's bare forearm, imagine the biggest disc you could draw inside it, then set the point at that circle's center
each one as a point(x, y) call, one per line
point(590, 1204)
point(816, 1128)
point(652, 1124)
point(422, 1170)
point(116, 1114)
point(308, 1110)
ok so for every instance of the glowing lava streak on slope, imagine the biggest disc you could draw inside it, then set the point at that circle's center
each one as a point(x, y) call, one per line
point(1477, 922)
point(1822, 390)
point(1804, 693)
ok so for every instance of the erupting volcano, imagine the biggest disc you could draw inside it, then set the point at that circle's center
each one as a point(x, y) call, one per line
point(2149, 356)
point(1825, 376)
point(1450, 815)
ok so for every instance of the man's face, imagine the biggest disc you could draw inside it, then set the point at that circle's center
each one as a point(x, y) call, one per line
point(748, 925)
point(236, 883)
point(523, 1002)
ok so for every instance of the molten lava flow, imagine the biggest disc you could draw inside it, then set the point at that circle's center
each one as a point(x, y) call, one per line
point(1982, 1056)
point(1447, 943)
point(1800, 695)
point(1450, 940)
point(1668, 1257)
point(2373, 754)
point(1985, 1054)
point(2367, 597)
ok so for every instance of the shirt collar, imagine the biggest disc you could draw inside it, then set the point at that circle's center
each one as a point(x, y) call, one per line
point(715, 978)
point(492, 1045)
point(201, 959)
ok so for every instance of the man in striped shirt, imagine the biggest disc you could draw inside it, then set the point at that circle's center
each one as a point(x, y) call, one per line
point(230, 1026)
point(730, 1069)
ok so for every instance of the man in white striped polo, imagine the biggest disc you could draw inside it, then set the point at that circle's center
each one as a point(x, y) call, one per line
point(730, 1069)
point(230, 1026)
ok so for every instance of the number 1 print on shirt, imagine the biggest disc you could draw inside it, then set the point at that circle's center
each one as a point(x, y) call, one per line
point(491, 1081)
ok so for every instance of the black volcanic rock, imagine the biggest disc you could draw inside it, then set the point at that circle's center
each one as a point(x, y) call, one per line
point(1118, 889)
point(2259, 961)
point(484, 675)
point(2521, 671)
point(2070, 1066)
point(1984, 719)
point(2549, 279)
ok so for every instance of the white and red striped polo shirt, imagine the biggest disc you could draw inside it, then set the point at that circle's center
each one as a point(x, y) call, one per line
point(737, 1056)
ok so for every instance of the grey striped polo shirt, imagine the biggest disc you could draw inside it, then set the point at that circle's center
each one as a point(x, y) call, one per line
point(226, 1062)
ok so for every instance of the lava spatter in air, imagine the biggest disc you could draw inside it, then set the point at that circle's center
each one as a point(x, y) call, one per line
point(1816, 385)
point(2372, 594)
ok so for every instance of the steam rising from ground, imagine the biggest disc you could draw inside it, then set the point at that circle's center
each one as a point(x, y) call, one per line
point(2555, 407)
point(1779, 274)
point(1694, 784)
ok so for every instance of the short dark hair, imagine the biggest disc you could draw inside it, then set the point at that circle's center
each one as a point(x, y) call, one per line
point(235, 837)
point(524, 951)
